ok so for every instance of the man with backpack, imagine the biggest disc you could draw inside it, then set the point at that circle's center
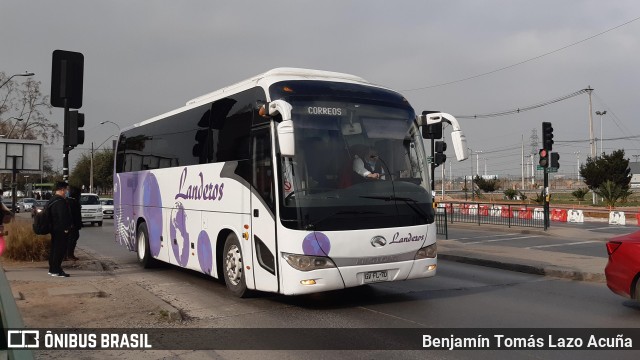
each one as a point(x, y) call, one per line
point(61, 227)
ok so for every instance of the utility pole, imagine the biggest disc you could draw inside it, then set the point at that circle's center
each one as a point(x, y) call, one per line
point(592, 143)
point(522, 167)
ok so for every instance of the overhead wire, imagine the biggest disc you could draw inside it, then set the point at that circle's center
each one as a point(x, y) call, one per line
point(524, 61)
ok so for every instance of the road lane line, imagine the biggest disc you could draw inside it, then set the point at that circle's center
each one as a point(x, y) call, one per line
point(494, 240)
point(479, 237)
point(565, 244)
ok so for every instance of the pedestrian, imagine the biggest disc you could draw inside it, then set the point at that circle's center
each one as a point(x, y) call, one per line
point(61, 225)
point(74, 234)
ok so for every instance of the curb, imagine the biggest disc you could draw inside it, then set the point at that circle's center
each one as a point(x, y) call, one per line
point(551, 270)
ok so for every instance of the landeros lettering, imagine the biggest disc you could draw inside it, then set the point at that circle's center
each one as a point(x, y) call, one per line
point(199, 191)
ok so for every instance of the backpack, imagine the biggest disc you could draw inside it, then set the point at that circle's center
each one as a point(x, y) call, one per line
point(42, 221)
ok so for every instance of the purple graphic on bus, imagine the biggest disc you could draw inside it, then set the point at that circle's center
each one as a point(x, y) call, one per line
point(205, 254)
point(316, 243)
point(152, 212)
point(179, 234)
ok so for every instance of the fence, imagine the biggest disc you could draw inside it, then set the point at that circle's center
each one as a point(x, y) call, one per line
point(494, 214)
point(441, 222)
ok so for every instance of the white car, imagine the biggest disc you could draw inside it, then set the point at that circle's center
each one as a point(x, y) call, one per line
point(107, 207)
point(26, 204)
point(91, 208)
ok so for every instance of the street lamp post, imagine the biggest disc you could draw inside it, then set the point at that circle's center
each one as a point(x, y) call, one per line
point(111, 122)
point(14, 125)
point(14, 75)
point(601, 113)
point(99, 146)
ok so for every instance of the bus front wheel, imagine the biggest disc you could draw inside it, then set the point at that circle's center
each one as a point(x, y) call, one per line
point(233, 267)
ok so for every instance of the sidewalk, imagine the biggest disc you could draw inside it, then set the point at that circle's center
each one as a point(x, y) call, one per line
point(548, 263)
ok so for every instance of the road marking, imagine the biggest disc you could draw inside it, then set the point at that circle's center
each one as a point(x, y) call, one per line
point(607, 228)
point(478, 237)
point(494, 240)
point(565, 244)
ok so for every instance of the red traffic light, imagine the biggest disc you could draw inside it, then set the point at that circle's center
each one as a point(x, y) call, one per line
point(544, 158)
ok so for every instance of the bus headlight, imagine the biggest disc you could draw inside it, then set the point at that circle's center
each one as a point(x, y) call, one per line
point(308, 262)
point(430, 251)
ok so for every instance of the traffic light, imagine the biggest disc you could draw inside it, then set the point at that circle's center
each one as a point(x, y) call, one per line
point(544, 158)
point(554, 160)
point(439, 157)
point(73, 136)
point(547, 136)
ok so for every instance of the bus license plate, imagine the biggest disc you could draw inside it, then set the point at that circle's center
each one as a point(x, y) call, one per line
point(375, 276)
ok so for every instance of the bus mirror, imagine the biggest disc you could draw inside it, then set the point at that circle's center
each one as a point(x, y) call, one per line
point(280, 107)
point(286, 139)
point(460, 145)
point(351, 129)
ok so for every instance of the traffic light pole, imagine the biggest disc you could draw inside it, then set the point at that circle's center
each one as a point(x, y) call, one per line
point(65, 147)
point(546, 199)
point(433, 164)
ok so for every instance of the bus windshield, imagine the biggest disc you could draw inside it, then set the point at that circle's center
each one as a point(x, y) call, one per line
point(358, 164)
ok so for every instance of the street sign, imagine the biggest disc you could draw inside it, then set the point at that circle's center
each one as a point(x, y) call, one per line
point(552, 169)
point(539, 167)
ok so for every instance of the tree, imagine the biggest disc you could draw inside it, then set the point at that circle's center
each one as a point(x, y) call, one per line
point(610, 192)
point(580, 194)
point(102, 170)
point(24, 100)
point(613, 167)
point(488, 186)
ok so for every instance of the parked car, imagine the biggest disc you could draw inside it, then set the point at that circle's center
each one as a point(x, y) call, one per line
point(38, 206)
point(107, 207)
point(623, 268)
point(91, 208)
point(25, 204)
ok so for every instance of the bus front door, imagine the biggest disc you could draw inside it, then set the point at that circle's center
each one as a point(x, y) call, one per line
point(263, 233)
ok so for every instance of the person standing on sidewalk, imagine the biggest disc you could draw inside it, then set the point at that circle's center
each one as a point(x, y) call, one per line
point(74, 234)
point(61, 225)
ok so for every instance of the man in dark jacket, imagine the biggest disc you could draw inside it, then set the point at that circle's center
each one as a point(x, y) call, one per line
point(74, 234)
point(62, 223)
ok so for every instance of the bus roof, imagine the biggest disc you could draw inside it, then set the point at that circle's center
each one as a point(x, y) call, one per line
point(263, 80)
point(279, 74)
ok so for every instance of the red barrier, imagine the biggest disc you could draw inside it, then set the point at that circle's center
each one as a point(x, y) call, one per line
point(449, 207)
point(525, 213)
point(465, 209)
point(484, 210)
point(506, 212)
point(559, 215)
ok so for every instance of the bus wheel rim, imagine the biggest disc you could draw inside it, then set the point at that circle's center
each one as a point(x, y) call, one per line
point(234, 265)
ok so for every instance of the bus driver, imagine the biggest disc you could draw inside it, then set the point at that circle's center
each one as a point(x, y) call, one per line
point(367, 164)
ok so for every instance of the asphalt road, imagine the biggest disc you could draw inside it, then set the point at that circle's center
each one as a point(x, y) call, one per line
point(459, 296)
point(594, 246)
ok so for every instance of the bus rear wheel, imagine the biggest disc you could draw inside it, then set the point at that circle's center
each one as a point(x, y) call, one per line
point(233, 267)
point(144, 253)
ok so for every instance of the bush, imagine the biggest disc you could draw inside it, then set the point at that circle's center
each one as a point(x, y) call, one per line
point(580, 194)
point(510, 194)
point(23, 245)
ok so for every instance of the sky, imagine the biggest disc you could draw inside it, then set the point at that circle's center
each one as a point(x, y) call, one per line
point(144, 58)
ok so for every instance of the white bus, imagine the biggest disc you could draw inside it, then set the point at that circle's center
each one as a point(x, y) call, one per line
point(255, 184)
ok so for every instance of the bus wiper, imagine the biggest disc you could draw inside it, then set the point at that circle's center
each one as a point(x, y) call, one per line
point(409, 201)
point(312, 225)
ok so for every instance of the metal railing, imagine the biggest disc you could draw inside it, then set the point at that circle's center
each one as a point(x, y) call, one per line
point(441, 222)
point(494, 214)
